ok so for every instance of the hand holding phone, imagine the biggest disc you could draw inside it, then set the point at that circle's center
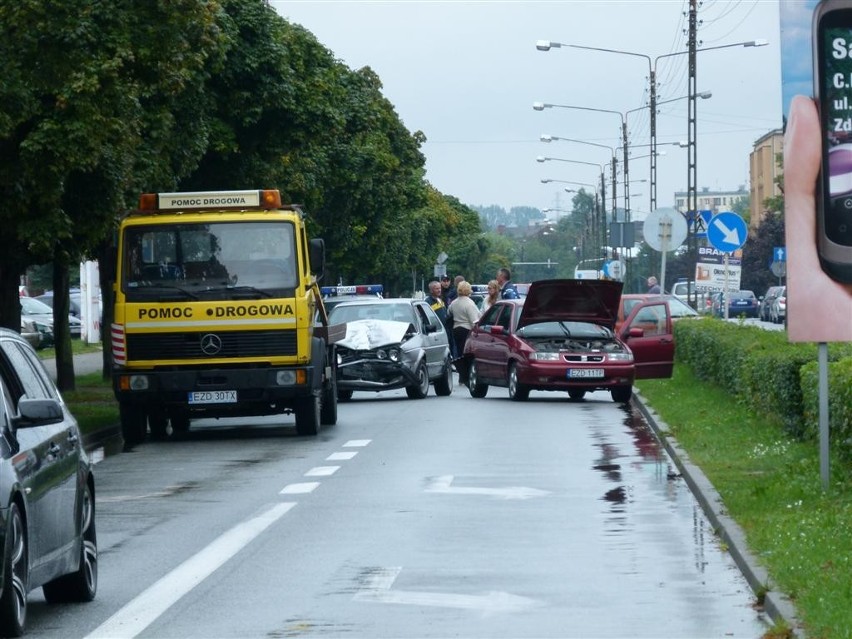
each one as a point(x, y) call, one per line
point(832, 55)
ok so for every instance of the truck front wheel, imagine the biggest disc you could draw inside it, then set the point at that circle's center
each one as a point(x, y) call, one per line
point(308, 415)
point(328, 412)
point(134, 424)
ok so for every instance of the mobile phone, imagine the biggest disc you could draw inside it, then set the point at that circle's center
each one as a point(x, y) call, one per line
point(832, 56)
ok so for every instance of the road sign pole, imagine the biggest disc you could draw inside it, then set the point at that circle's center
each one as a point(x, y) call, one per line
point(725, 299)
point(665, 239)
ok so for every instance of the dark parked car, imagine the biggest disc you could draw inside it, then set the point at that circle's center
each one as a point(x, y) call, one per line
point(562, 337)
point(766, 302)
point(740, 304)
point(47, 491)
point(42, 314)
point(73, 301)
point(30, 333)
point(392, 343)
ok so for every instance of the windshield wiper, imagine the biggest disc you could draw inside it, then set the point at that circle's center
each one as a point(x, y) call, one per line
point(251, 290)
point(184, 294)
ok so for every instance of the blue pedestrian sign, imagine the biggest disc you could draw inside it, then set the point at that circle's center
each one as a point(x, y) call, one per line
point(727, 231)
point(779, 254)
point(697, 222)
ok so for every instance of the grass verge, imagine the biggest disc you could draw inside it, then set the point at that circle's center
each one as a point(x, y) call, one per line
point(771, 485)
point(92, 403)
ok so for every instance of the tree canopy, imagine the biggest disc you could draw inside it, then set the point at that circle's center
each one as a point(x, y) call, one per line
point(103, 101)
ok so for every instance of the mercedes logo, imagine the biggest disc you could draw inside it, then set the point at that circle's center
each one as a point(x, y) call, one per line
point(211, 344)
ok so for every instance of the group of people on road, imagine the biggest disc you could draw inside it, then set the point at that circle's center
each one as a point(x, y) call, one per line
point(458, 312)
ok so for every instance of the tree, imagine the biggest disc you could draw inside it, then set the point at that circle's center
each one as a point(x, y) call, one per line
point(758, 254)
point(89, 107)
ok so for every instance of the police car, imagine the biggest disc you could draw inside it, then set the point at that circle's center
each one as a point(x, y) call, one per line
point(334, 295)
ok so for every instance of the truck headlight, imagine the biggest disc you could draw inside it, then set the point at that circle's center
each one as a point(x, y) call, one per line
point(134, 382)
point(285, 378)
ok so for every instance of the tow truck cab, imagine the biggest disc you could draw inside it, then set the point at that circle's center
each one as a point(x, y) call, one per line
point(218, 314)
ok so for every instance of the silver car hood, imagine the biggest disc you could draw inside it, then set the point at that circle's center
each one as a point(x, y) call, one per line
point(363, 335)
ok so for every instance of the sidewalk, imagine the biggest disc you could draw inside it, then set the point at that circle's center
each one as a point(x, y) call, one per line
point(84, 364)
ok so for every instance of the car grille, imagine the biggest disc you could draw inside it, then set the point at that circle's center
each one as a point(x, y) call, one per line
point(150, 346)
point(584, 358)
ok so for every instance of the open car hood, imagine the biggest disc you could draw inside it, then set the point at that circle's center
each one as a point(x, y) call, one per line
point(572, 300)
point(363, 335)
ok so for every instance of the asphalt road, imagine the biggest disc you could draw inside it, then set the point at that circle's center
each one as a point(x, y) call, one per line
point(434, 518)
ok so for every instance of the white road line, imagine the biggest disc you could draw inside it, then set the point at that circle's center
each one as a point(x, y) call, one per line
point(377, 588)
point(443, 484)
point(341, 456)
point(300, 489)
point(322, 471)
point(153, 602)
point(357, 443)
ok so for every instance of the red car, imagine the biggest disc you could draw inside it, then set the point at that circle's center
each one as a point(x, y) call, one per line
point(562, 337)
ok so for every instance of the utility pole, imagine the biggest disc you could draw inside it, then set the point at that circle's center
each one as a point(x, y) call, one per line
point(653, 105)
point(692, 159)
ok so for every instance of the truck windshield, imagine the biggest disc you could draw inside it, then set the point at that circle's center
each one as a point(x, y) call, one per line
point(227, 260)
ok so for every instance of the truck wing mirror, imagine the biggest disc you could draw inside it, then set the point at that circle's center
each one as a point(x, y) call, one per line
point(316, 250)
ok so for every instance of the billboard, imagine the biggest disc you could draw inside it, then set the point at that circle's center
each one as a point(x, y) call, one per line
point(819, 308)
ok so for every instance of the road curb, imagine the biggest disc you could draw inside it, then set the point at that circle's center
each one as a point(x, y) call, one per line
point(777, 605)
point(108, 439)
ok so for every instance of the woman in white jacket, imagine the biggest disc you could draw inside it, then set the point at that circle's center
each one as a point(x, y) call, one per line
point(465, 313)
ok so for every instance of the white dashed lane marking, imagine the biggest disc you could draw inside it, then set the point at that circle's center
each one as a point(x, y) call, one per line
point(341, 456)
point(356, 443)
point(322, 471)
point(300, 489)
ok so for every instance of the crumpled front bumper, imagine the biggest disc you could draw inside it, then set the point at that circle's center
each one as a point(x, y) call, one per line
point(372, 374)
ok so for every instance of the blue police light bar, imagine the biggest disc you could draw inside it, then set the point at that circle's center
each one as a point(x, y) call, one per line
point(355, 289)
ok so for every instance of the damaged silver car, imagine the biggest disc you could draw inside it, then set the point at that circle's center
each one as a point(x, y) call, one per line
point(390, 344)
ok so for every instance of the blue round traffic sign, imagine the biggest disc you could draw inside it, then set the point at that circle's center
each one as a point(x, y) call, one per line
point(727, 231)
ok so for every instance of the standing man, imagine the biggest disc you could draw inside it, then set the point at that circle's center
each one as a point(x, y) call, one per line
point(446, 290)
point(436, 301)
point(653, 287)
point(504, 281)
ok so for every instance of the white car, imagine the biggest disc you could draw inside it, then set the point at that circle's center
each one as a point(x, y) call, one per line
point(389, 344)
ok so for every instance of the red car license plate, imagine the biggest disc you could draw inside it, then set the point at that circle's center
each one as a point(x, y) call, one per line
point(585, 373)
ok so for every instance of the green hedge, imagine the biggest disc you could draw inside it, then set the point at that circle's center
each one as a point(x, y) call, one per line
point(770, 375)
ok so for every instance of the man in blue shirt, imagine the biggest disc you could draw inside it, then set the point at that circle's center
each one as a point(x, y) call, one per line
point(504, 281)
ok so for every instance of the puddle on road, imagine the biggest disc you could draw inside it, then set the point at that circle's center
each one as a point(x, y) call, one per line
point(648, 511)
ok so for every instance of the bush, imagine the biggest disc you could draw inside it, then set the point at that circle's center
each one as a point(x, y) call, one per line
point(839, 404)
point(770, 375)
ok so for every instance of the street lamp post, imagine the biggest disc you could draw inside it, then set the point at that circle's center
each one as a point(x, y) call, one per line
point(602, 223)
point(547, 45)
point(597, 233)
point(541, 106)
point(550, 138)
point(599, 220)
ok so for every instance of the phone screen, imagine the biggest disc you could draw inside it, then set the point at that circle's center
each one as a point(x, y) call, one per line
point(834, 77)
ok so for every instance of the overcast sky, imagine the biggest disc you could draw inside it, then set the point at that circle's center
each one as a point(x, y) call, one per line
point(468, 73)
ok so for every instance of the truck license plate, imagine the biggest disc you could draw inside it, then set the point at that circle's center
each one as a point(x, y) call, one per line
point(585, 372)
point(213, 397)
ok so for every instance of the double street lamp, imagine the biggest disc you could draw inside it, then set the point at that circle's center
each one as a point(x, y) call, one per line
point(547, 45)
point(550, 138)
point(541, 106)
